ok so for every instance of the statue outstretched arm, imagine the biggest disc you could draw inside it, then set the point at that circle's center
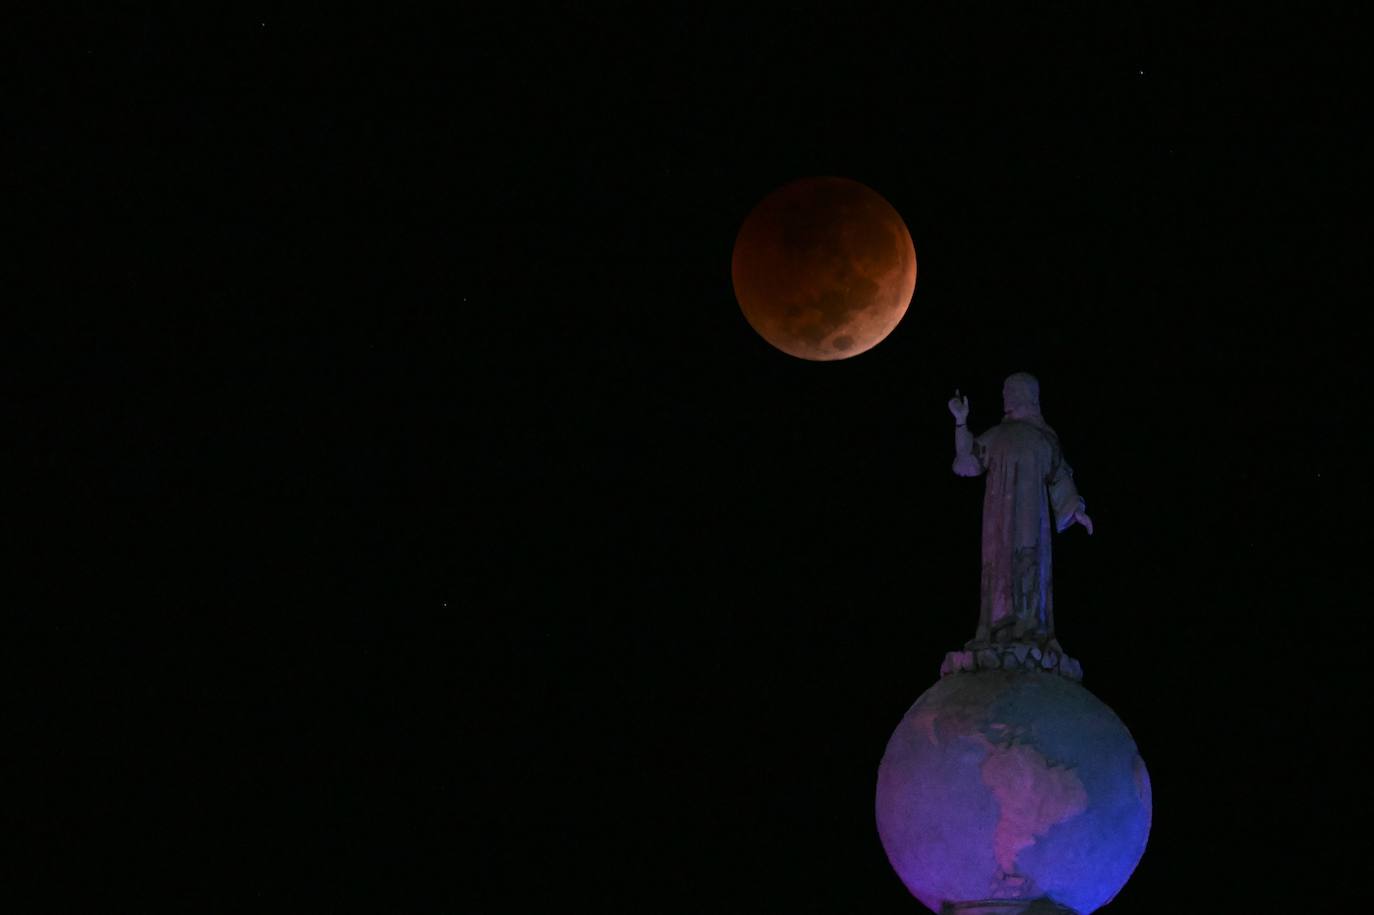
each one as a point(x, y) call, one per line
point(965, 463)
point(1069, 507)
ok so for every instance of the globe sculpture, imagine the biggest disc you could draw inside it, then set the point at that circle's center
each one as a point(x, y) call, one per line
point(1008, 787)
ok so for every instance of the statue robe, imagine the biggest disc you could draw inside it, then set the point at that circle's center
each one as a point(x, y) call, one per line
point(1030, 489)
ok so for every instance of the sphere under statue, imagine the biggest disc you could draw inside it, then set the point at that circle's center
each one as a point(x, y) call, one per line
point(1008, 788)
point(1000, 788)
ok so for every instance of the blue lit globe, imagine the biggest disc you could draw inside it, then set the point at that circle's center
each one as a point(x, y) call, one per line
point(1002, 786)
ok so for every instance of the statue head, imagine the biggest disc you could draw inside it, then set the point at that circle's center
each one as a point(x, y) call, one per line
point(1021, 396)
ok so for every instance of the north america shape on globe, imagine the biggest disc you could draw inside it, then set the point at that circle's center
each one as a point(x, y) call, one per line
point(1013, 786)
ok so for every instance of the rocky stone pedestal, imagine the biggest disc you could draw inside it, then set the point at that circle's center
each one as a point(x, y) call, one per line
point(1011, 656)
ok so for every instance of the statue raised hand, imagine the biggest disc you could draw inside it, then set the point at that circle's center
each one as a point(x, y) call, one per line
point(959, 407)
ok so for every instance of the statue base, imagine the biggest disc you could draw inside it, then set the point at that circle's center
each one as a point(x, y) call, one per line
point(980, 655)
point(1006, 907)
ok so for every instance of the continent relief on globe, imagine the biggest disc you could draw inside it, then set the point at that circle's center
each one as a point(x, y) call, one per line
point(1032, 795)
point(1012, 785)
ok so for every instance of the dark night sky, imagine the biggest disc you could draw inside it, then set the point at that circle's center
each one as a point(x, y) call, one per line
point(417, 519)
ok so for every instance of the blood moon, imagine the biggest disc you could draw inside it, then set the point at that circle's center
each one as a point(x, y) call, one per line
point(824, 268)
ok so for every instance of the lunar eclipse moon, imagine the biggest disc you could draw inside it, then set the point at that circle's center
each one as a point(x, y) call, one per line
point(824, 268)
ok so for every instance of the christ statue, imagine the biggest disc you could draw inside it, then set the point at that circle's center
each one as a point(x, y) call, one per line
point(1030, 489)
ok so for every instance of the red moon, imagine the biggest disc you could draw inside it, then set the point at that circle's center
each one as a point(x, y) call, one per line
point(824, 268)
